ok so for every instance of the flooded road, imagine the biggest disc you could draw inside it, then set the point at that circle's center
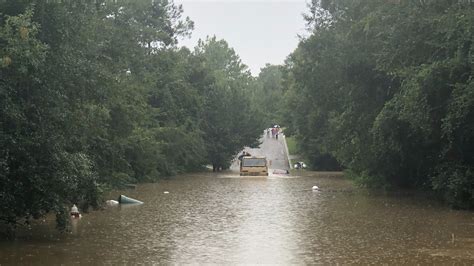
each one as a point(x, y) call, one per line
point(222, 218)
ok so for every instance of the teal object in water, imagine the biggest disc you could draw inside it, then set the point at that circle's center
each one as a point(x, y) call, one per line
point(126, 200)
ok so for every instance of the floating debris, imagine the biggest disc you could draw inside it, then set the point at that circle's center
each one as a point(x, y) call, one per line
point(112, 202)
point(126, 200)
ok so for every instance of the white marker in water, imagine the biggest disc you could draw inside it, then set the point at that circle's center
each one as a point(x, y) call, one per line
point(315, 188)
point(166, 192)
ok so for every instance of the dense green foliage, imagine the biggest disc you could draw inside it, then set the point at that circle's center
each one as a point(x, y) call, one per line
point(268, 94)
point(95, 94)
point(230, 120)
point(386, 88)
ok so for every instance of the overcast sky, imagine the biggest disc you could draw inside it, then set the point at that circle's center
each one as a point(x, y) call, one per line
point(260, 31)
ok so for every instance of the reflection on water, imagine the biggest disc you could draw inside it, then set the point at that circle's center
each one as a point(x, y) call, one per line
point(222, 218)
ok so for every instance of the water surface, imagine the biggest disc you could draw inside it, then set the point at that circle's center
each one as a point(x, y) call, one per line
point(224, 219)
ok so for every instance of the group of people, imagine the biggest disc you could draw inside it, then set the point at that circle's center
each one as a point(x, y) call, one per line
point(275, 131)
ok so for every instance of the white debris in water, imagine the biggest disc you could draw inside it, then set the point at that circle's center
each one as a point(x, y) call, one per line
point(166, 192)
point(112, 202)
point(315, 188)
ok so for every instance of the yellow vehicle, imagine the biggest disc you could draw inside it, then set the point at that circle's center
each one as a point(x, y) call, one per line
point(253, 166)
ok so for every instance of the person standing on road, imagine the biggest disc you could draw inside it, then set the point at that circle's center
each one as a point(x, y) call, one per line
point(244, 153)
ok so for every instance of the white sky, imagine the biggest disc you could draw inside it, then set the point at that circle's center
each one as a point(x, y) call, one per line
point(260, 31)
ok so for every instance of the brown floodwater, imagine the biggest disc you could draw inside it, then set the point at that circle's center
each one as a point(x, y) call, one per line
point(224, 219)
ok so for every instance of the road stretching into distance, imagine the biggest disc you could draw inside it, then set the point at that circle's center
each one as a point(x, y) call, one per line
point(273, 149)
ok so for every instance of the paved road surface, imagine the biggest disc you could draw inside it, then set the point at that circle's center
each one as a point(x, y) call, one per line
point(273, 149)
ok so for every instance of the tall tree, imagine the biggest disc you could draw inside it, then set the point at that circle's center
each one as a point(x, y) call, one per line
point(229, 121)
point(268, 93)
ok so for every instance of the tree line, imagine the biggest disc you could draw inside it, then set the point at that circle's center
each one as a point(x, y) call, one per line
point(97, 94)
point(385, 90)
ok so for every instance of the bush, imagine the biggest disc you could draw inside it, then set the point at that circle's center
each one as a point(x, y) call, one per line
point(455, 184)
